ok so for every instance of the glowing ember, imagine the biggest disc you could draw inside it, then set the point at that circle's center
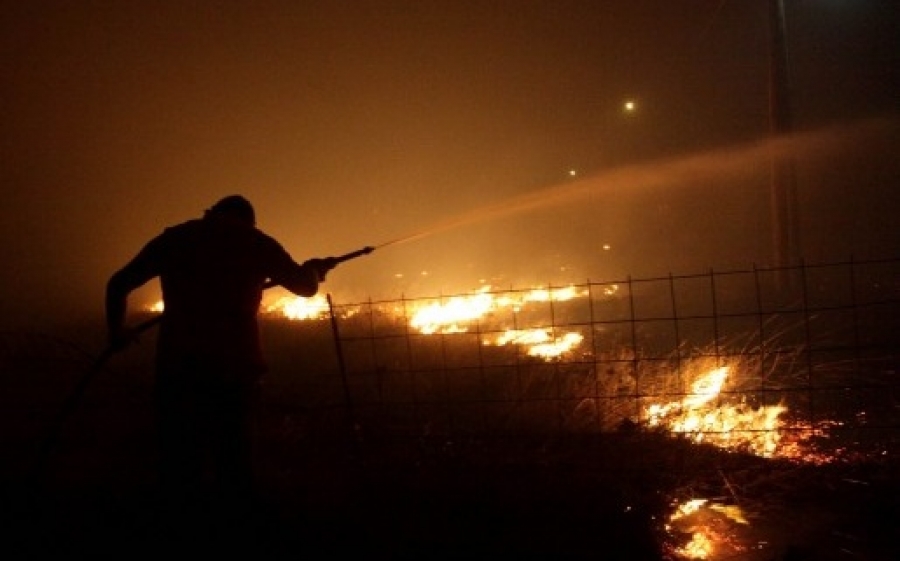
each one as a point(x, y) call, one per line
point(686, 508)
point(700, 547)
point(705, 529)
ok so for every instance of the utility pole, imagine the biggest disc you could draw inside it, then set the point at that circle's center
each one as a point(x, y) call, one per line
point(785, 219)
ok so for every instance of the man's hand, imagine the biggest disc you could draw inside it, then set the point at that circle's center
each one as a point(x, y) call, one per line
point(321, 266)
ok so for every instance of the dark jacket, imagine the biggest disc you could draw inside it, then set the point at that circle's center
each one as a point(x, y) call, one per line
point(212, 272)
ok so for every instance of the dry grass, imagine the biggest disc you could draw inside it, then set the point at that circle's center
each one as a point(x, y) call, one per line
point(445, 450)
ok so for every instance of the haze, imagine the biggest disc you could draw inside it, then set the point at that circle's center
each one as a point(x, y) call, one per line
point(362, 123)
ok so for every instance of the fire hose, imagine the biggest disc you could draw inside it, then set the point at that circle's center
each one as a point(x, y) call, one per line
point(71, 403)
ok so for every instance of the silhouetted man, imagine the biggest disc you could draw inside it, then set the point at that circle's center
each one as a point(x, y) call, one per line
point(209, 360)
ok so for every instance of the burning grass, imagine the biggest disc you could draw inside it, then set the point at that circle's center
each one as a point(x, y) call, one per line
point(730, 396)
point(715, 441)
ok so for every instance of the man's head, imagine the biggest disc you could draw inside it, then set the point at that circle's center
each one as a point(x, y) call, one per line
point(234, 207)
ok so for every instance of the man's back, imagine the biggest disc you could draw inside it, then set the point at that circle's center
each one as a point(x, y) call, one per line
point(212, 271)
point(212, 275)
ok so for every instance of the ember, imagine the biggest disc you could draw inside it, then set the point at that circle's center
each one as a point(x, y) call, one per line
point(708, 529)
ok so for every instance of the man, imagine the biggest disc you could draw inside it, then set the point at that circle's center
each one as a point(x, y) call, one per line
point(209, 360)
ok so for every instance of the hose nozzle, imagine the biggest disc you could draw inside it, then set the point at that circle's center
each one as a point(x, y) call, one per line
point(353, 254)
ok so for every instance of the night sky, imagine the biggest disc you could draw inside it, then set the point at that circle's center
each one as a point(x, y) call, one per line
point(356, 123)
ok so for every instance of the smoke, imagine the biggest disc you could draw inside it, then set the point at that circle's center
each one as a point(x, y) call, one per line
point(681, 214)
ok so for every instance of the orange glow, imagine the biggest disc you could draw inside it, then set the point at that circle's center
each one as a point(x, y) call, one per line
point(700, 547)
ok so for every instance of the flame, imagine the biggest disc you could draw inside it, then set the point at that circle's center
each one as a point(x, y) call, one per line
point(700, 547)
point(689, 507)
point(540, 342)
point(703, 418)
point(298, 307)
point(706, 528)
point(734, 426)
point(454, 315)
point(451, 316)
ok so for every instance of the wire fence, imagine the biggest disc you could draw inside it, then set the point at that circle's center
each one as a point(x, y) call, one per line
point(734, 357)
point(798, 362)
point(619, 402)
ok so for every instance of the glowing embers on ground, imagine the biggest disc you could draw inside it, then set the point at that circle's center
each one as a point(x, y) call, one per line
point(706, 530)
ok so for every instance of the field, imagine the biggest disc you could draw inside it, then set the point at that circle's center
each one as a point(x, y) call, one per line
point(397, 445)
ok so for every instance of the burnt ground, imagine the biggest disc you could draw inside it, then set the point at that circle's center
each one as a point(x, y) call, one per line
point(324, 490)
point(447, 508)
point(587, 498)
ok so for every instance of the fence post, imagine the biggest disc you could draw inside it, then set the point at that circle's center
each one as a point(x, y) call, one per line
point(348, 402)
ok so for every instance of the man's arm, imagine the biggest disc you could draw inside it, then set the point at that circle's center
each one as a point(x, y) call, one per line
point(300, 279)
point(135, 274)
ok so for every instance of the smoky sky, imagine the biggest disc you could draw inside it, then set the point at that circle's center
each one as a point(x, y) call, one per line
point(355, 123)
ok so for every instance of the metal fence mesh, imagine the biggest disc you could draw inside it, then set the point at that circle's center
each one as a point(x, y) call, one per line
point(820, 340)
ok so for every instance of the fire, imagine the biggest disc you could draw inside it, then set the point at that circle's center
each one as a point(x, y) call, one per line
point(298, 307)
point(733, 426)
point(540, 342)
point(451, 316)
point(454, 315)
point(700, 547)
point(707, 529)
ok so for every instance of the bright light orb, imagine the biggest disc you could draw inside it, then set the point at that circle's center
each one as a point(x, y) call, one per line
point(629, 106)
